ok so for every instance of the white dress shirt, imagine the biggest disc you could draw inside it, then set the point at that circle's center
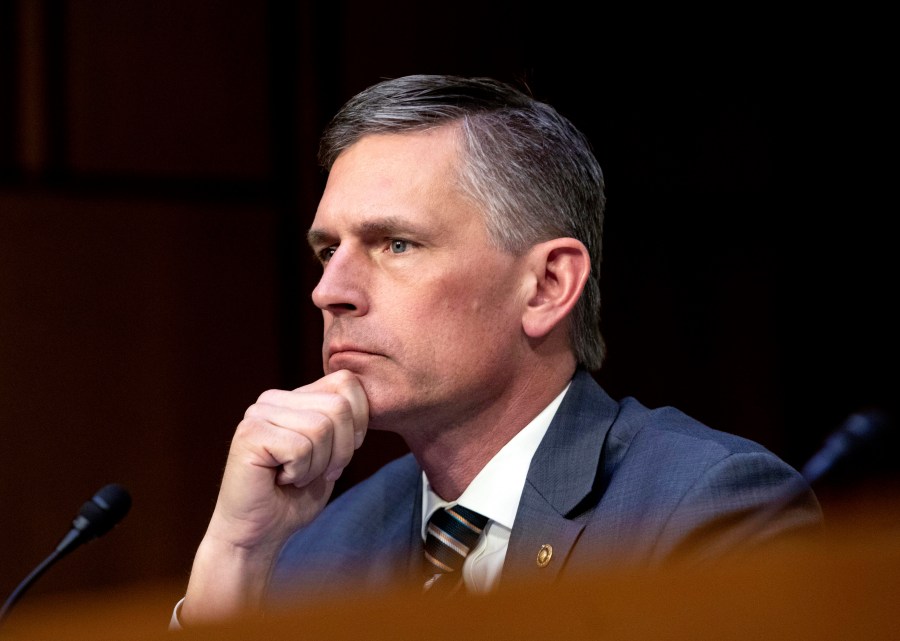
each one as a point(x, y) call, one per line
point(495, 493)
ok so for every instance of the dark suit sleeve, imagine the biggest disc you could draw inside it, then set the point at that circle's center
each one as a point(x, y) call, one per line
point(745, 500)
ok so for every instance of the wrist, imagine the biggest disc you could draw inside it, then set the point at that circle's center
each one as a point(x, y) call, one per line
point(226, 580)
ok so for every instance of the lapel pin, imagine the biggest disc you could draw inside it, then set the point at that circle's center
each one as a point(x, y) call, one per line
point(544, 555)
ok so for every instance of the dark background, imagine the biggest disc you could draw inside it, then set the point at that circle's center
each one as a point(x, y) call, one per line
point(157, 174)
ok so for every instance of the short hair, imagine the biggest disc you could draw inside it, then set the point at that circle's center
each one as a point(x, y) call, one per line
point(530, 169)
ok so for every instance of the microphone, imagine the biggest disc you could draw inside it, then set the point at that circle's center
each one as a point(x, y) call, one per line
point(860, 431)
point(95, 518)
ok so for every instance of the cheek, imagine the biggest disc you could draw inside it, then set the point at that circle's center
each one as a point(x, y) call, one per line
point(468, 308)
point(465, 295)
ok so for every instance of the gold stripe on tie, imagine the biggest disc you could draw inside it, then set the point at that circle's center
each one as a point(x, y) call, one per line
point(451, 534)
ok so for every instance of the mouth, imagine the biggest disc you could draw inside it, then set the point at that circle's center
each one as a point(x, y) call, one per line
point(334, 350)
point(347, 354)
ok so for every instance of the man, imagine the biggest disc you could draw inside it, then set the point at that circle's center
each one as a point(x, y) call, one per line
point(460, 238)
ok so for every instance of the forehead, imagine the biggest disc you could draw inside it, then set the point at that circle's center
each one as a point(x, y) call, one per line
point(410, 177)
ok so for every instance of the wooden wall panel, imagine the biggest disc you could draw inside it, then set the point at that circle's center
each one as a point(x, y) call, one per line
point(168, 89)
point(132, 337)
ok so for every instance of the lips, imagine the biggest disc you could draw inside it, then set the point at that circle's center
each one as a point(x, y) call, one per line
point(339, 344)
point(334, 350)
point(345, 355)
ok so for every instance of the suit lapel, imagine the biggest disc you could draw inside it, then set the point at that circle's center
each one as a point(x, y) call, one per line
point(563, 475)
point(392, 549)
point(416, 546)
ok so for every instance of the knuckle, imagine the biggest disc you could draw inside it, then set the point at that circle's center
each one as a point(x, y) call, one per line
point(319, 426)
point(340, 460)
point(249, 425)
point(268, 396)
point(302, 451)
point(339, 406)
point(252, 412)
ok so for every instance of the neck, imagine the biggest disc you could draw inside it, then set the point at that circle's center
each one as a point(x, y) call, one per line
point(453, 452)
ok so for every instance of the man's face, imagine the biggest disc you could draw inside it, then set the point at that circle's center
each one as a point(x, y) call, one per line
point(416, 300)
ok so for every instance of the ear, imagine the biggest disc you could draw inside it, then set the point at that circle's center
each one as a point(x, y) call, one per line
point(559, 271)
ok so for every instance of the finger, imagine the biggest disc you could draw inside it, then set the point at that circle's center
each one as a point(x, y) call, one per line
point(347, 384)
point(260, 443)
point(277, 405)
point(339, 408)
point(301, 442)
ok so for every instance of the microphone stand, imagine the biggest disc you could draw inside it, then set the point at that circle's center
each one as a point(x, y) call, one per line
point(96, 517)
point(29, 580)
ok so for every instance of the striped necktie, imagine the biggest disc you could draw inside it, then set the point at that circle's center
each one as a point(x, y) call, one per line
point(451, 534)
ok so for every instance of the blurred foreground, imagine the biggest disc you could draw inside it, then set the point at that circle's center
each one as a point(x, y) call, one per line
point(843, 586)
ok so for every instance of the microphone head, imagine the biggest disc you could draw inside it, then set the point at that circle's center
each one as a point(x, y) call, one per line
point(103, 511)
point(861, 435)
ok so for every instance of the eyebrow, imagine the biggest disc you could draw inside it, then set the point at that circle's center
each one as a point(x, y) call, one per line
point(387, 226)
point(318, 237)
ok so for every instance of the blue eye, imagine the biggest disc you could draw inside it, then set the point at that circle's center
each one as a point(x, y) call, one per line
point(399, 246)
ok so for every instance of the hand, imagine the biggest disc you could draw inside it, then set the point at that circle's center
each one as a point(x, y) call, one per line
point(284, 458)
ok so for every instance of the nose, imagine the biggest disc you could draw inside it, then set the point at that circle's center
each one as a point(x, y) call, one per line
point(341, 289)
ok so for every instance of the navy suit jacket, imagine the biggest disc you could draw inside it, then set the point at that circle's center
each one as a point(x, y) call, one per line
point(612, 484)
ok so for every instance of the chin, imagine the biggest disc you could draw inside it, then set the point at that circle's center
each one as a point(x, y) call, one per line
point(390, 406)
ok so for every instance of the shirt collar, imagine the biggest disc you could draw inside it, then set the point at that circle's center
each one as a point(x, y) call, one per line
point(496, 490)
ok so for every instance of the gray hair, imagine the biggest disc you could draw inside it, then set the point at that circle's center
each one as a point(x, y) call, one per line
point(531, 170)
